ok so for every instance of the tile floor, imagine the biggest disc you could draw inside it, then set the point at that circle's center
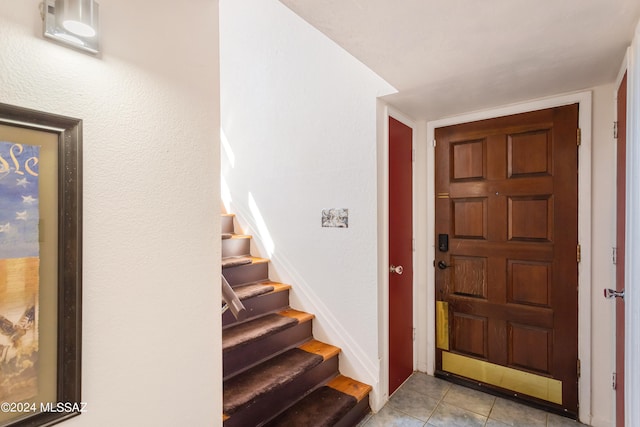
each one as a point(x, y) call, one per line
point(426, 401)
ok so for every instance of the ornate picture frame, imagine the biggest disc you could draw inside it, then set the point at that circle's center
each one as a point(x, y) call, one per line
point(40, 267)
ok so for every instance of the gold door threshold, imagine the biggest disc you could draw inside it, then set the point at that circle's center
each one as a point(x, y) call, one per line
point(508, 378)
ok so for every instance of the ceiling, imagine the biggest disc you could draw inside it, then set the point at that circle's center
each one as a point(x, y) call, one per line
point(449, 57)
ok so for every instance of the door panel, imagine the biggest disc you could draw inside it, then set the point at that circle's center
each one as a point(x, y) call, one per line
point(620, 246)
point(400, 254)
point(506, 193)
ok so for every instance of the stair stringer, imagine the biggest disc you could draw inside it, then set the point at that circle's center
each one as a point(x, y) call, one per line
point(353, 359)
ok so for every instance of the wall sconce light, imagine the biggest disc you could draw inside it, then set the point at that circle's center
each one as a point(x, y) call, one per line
point(72, 22)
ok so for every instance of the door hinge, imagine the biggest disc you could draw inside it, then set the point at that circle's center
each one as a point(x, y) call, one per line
point(414, 334)
point(434, 142)
point(578, 367)
point(413, 245)
point(579, 253)
point(614, 381)
point(614, 256)
point(579, 137)
point(413, 154)
point(615, 130)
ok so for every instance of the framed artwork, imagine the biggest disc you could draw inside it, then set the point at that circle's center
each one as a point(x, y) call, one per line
point(40, 267)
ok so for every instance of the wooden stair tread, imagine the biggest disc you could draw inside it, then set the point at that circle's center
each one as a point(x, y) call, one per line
point(243, 333)
point(350, 386)
point(241, 236)
point(279, 287)
point(327, 351)
point(238, 261)
point(254, 259)
point(253, 330)
point(300, 316)
point(250, 290)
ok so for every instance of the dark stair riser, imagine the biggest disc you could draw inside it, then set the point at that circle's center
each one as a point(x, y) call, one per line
point(226, 222)
point(324, 407)
point(259, 305)
point(355, 415)
point(244, 274)
point(263, 408)
point(249, 355)
point(237, 246)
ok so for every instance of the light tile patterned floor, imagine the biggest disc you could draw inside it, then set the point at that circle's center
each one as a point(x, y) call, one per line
point(426, 401)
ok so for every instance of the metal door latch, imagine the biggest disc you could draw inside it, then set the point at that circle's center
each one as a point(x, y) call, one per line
point(612, 293)
point(443, 265)
point(396, 269)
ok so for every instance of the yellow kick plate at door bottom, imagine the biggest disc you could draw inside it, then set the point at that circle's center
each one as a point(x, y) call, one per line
point(508, 378)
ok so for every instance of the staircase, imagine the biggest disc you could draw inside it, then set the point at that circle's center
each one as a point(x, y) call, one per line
point(274, 372)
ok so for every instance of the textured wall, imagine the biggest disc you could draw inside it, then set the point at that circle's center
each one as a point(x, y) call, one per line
point(149, 105)
point(299, 116)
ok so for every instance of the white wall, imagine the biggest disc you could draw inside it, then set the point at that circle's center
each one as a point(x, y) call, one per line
point(149, 105)
point(299, 115)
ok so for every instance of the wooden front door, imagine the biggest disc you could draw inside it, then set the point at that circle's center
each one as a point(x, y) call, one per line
point(507, 253)
point(400, 254)
point(620, 243)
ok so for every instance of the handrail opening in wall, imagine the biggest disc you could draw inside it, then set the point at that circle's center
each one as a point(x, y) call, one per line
point(231, 301)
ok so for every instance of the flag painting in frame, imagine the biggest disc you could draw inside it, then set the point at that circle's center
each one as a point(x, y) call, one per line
point(40, 267)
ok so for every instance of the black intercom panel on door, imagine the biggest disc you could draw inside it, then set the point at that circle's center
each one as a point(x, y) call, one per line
point(443, 242)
